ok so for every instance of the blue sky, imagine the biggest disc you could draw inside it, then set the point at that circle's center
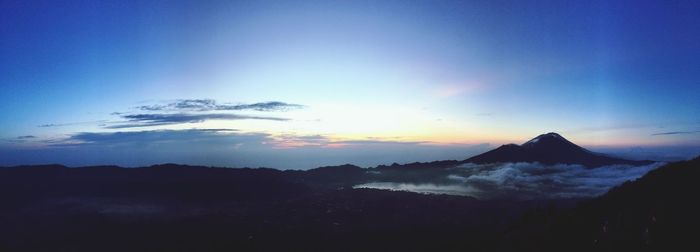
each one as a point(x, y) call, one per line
point(362, 82)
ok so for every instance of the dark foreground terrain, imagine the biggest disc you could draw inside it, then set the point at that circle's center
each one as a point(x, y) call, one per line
point(184, 208)
point(658, 212)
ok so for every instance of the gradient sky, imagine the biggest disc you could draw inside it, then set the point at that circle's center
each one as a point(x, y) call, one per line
point(298, 84)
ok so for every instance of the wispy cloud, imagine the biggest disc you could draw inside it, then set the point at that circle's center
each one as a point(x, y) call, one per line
point(49, 125)
point(212, 105)
point(146, 120)
point(262, 106)
point(291, 140)
point(19, 139)
point(196, 111)
point(453, 189)
point(186, 111)
point(676, 133)
point(365, 142)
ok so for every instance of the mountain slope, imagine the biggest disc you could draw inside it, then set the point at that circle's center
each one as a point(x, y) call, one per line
point(550, 148)
point(657, 212)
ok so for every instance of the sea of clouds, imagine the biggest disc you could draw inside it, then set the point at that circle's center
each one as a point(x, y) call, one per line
point(523, 180)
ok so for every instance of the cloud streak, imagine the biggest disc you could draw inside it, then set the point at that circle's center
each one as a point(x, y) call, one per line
point(187, 111)
point(50, 125)
point(146, 120)
point(19, 139)
point(291, 140)
point(196, 111)
point(676, 133)
point(203, 105)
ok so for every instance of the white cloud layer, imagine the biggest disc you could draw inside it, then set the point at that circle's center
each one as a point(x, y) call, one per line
point(524, 180)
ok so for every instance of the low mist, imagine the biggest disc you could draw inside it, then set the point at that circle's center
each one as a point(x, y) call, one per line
point(522, 180)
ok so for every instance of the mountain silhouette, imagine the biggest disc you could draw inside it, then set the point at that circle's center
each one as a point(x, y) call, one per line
point(549, 148)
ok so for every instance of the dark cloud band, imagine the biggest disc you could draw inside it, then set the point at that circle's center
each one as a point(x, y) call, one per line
point(145, 120)
point(676, 133)
point(212, 105)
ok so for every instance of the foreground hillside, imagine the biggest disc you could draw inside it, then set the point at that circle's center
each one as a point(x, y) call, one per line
point(184, 208)
point(181, 208)
point(659, 212)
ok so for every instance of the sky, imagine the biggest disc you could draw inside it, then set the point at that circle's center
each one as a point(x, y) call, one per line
point(299, 84)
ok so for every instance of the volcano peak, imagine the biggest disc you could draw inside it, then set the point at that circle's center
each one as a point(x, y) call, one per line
point(549, 148)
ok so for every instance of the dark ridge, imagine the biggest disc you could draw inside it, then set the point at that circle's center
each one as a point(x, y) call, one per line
point(331, 177)
point(345, 167)
point(420, 165)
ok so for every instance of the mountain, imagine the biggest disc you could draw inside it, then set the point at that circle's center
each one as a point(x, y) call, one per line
point(550, 148)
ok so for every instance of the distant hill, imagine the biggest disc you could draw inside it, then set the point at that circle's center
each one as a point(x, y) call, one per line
point(550, 148)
